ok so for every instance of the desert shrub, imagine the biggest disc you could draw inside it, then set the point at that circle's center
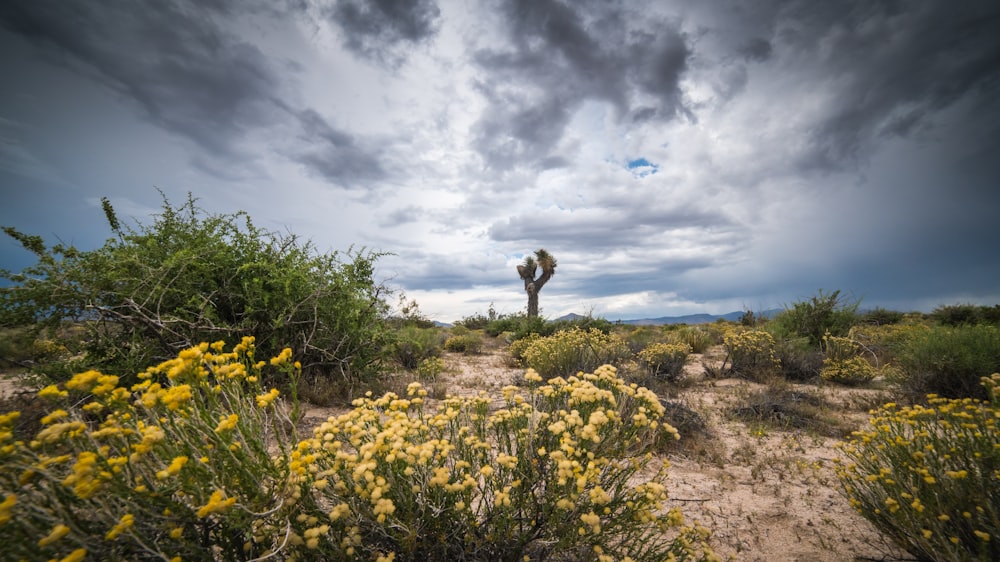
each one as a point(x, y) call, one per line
point(879, 316)
point(886, 341)
point(412, 344)
point(843, 364)
point(965, 315)
point(517, 348)
point(780, 406)
point(468, 343)
point(928, 477)
point(521, 325)
point(641, 337)
point(751, 354)
point(153, 290)
point(430, 368)
point(824, 313)
point(554, 474)
point(199, 458)
point(665, 360)
point(195, 458)
point(799, 361)
point(694, 337)
point(571, 351)
point(950, 361)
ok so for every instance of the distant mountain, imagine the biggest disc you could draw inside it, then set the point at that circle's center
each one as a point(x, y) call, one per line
point(686, 319)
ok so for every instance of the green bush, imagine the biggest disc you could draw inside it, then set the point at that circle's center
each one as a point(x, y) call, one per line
point(879, 316)
point(468, 343)
point(694, 337)
point(197, 459)
point(799, 361)
point(430, 368)
point(966, 314)
point(950, 361)
point(751, 354)
point(665, 361)
point(412, 345)
point(929, 477)
point(812, 319)
point(641, 337)
point(574, 350)
point(155, 289)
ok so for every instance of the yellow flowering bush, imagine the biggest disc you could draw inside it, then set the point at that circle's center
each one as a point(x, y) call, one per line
point(665, 360)
point(751, 354)
point(842, 364)
point(929, 476)
point(186, 462)
point(552, 474)
point(571, 351)
point(196, 459)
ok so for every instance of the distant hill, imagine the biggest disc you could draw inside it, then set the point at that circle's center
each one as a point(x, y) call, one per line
point(686, 319)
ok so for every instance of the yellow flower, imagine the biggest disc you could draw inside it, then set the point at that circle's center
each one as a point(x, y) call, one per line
point(176, 532)
point(75, 556)
point(227, 423)
point(264, 400)
point(216, 504)
point(52, 392)
point(175, 467)
point(985, 537)
point(123, 524)
point(282, 357)
point(58, 532)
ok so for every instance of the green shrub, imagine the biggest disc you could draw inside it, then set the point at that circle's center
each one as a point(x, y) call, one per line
point(412, 345)
point(641, 337)
point(879, 316)
point(430, 368)
point(812, 319)
point(950, 361)
point(155, 289)
point(886, 341)
point(197, 459)
point(799, 361)
point(665, 360)
point(468, 343)
point(929, 477)
point(751, 354)
point(574, 350)
point(694, 337)
point(966, 314)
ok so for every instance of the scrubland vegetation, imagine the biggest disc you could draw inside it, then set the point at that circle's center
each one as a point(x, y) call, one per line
point(169, 369)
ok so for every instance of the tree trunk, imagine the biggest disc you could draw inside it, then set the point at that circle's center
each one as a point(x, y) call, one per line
point(532, 300)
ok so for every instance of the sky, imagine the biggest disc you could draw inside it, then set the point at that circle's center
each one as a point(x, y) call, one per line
point(675, 156)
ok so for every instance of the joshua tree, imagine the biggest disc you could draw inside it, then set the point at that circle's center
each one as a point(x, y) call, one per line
point(527, 272)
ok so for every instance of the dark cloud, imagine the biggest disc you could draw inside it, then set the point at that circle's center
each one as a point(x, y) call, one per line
point(172, 59)
point(382, 30)
point(889, 68)
point(334, 154)
point(561, 54)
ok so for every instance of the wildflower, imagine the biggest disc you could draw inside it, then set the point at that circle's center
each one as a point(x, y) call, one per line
point(282, 357)
point(216, 504)
point(985, 537)
point(75, 556)
point(593, 520)
point(52, 392)
point(123, 525)
point(264, 400)
point(175, 467)
point(227, 423)
point(58, 532)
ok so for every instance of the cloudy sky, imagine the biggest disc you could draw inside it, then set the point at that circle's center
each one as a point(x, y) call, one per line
point(675, 156)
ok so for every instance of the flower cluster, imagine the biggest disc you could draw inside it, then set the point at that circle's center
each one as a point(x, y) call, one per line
point(571, 351)
point(173, 466)
point(751, 353)
point(665, 360)
point(929, 476)
point(195, 458)
point(553, 470)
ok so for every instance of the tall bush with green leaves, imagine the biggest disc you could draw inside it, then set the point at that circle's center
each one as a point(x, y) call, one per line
point(154, 289)
point(824, 313)
point(950, 361)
